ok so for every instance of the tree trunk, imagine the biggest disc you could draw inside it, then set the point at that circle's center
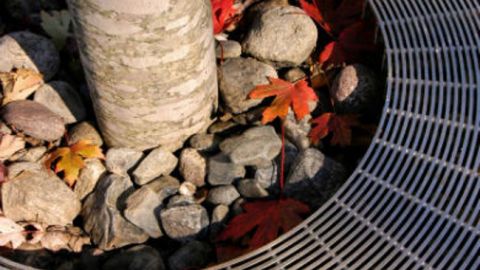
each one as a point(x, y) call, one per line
point(150, 67)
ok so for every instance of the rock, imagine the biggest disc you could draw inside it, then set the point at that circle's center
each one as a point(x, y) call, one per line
point(39, 197)
point(204, 142)
point(297, 131)
point(221, 171)
point(4, 129)
point(237, 78)
point(221, 126)
point(16, 168)
point(282, 35)
point(180, 200)
point(294, 74)
point(314, 178)
point(187, 189)
point(33, 154)
point(139, 257)
point(267, 176)
point(219, 217)
point(102, 215)
point(193, 167)
point(256, 146)
point(355, 90)
point(223, 195)
point(85, 131)
point(120, 160)
point(184, 223)
point(27, 50)
point(157, 163)
point(237, 206)
point(33, 119)
point(144, 205)
point(194, 255)
point(249, 188)
point(11, 147)
point(63, 100)
point(88, 178)
point(225, 49)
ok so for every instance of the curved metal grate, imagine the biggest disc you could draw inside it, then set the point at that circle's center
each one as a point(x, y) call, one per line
point(414, 201)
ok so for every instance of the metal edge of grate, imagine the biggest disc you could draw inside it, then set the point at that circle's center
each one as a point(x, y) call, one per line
point(414, 200)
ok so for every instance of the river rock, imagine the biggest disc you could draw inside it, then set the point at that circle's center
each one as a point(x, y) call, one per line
point(219, 217)
point(34, 119)
point(221, 171)
point(14, 169)
point(180, 200)
point(225, 49)
point(39, 197)
point(193, 167)
point(157, 163)
point(27, 50)
point(187, 189)
point(267, 176)
point(193, 255)
point(85, 131)
point(314, 177)
point(184, 223)
point(223, 195)
point(121, 160)
point(297, 131)
point(62, 99)
point(256, 146)
point(285, 36)
point(294, 74)
point(139, 257)
point(204, 142)
point(237, 78)
point(249, 188)
point(33, 154)
point(102, 215)
point(88, 178)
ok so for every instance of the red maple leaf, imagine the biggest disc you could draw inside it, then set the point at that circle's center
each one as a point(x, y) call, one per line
point(339, 125)
point(266, 219)
point(286, 94)
point(222, 13)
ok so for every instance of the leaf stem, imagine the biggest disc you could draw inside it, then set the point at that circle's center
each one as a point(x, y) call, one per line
point(282, 161)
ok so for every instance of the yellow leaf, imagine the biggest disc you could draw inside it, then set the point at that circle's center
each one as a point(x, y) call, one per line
point(19, 84)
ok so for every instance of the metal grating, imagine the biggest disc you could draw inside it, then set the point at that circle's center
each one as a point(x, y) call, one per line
point(414, 200)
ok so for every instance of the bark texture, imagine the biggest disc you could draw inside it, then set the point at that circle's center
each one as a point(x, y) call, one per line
point(150, 67)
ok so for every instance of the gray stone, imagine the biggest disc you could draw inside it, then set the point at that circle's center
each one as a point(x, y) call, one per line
point(180, 200)
point(184, 223)
point(314, 178)
point(193, 167)
point(221, 126)
point(88, 178)
point(218, 220)
point(294, 74)
point(225, 49)
point(157, 163)
point(4, 129)
point(221, 171)
point(27, 50)
point(139, 257)
point(39, 197)
point(16, 168)
point(102, 215)
point(355, 90)
point(237, 78)
point(85, 131)
point(267, 176)
point(187, 189)
point(62, 99)
point(204, 142)
point(194, 255)
point(120, 160)
point(282, 35)
point(237, 206)
point(257, 145)
point(33, 154)
point(297, 131)
point(34, 120)
point(249, 188)
point(144, 205)
point(223, 195)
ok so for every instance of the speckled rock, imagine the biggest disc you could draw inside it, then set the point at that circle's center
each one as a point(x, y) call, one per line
point(267, 176)
point(184, 223)
point(223, 195)
point(157, 163)
point(204, 142)
point(193, 167)
point(221, 171)
point(121, 160)
point(85, 131)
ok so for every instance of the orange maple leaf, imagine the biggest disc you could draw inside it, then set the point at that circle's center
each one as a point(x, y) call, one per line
point(287, 94)
point(339, 125)
point(71, 159)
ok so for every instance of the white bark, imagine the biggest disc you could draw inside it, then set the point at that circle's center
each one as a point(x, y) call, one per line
point(150, 67)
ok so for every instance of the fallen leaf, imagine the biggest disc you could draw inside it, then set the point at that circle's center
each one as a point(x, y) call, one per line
point(265, 219)
point(9, 145)
point(286, 94)
point(57, 26)
point(19, 84)
point(223, 13)
point(11, 232)
point(339, 125)
point(71, 159)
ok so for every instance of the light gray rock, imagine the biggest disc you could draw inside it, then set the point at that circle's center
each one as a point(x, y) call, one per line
point(16, 168)
point(221, 171)
point(225, 49)
point(34, 120)
point(204, 142)
point(223, 195)
point(62, 99)
point(314, 178)
point(144, 205)
point(121, 160)
point(267, 176)
point(294, 74)
point(85, 131)
point(180, 200)
point(33, 154)
point(249, 188)
point(88, 177)
point(297, 131)
point(27, 50)
point(39, 197)
point(237, 78)
point(256, 146)
point(282, 35)
point(218, 219)
point(355, 90)
point(139, 257)
point(157, 163)
point(184, 223)
point(194, 255)
point(193, 167)
point(4, 129)
point(187, 189)
point(102, 215)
